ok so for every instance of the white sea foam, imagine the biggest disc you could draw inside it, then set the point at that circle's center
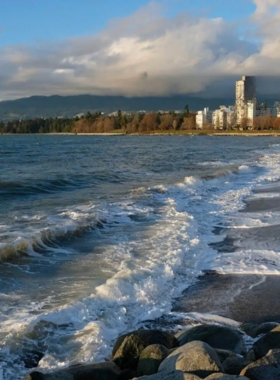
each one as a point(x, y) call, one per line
point(249, 262)
point(255, 239)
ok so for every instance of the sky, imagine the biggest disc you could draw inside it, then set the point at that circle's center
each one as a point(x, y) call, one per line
point(137, 47)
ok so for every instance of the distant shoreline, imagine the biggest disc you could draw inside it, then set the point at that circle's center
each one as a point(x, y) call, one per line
point(155, 133)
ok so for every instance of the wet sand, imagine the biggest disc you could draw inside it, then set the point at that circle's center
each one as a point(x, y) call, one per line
point(244, 297)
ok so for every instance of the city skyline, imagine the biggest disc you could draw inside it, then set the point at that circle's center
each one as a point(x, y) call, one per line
point(243, 113)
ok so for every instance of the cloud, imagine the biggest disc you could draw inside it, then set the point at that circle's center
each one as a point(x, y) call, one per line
point(147, 54)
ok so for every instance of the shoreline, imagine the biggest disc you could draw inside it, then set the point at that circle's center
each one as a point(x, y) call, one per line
point(215, 134)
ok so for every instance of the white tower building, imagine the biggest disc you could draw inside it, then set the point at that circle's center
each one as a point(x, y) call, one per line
point(245, 92)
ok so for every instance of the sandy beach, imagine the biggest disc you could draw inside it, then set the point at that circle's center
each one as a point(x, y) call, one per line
point(244, 297)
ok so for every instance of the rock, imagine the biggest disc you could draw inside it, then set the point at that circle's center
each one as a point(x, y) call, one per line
point(264, 328)
point(231, 362)
point(266, 368)
point(251, 355)
point(97, 371)
point(150, 359)
point(172, 350)
point(224, 354)
point(267, 342)
point(196, 357)
point(221, 376)
point(50, 376)
point(181, 332)
point(31, 358)
point(233, 365)
point(248, 328)
point(128, 353)
point(128, 348)
point(127, 374)
point(254, 330)
point(149, 337)
point(222, 337)
point(174, 375)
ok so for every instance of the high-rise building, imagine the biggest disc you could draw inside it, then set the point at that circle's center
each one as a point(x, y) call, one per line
point(245, 92)
point(203, 117)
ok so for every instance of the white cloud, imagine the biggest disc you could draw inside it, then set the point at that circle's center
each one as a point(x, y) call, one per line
point(146, 54)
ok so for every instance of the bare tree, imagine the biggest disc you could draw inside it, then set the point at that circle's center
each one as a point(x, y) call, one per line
point(189, 123)
point(245, 123)
point(276, 123)
point(264, 122)
point(166, 122)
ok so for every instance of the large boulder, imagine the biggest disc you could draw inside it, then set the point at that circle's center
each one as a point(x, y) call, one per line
point(222, 337)
point(266, 368)
point(48, 376)
point(150, 359)
point(255, 330)
point(233, 365)
point(149, 337)
point(128, 347)
point(221, 376)
point(181, 332)
point(224, 354)
point(174, 375)
point(97, 371)
point(267, 342)
point(128, 353)
point(196, 357)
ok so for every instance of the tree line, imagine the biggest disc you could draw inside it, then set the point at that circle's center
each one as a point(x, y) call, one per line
point(98, 123)
point(126, 123)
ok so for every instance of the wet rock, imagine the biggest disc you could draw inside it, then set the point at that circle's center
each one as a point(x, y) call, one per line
point(50, 376)
point(181, 332)
point(150, 359)
point(174, 375)
point(224, 354)
point(149, 337)
point(221, 337)
point(231, 362)
point(233, 365)
point(196, 357)
point(128, 353)
point(267, 342)
point(31, 358)
point(248, 328)
point(97, 371)
point(128, 348)
point(266, 368)
point(127, 374)
point(221, 376)
point(251, 355)
point(255, 330)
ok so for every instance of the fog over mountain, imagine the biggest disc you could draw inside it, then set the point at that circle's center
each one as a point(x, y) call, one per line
point(148, 54)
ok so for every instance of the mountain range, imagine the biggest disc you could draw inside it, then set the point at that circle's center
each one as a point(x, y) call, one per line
point(69, 106)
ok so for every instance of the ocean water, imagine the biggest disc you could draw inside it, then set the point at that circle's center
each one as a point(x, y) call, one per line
point(100, 234)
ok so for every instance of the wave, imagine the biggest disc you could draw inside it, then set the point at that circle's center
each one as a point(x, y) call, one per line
point(47, 241)
point(27, 188)
point(10, 253)
point(37, 186)
point(75, 223)
point(70, 225)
